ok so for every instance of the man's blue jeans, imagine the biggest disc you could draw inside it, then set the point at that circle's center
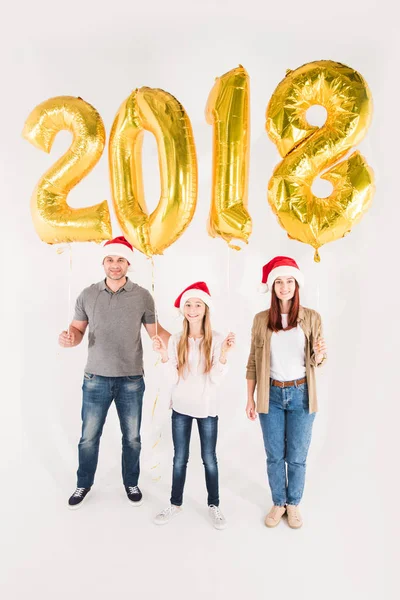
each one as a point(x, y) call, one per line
point(98, 394)
point(181, 431)
point(287, 429)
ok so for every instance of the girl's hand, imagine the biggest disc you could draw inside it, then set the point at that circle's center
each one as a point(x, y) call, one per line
point(228, 343)
point(251, 410)
point(160, 347)
point(320, 350)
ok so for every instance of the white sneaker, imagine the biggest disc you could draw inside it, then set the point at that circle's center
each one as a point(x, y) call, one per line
point(167, 514)
point(216, 516)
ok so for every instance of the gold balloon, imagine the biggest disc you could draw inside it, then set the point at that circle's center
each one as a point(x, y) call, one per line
point(55, 221)
point(310, 150)
point(228, 110)
point(160, 113)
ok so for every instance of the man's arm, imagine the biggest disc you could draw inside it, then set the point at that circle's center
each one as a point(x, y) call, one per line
point(74, 337)
point(153, 329)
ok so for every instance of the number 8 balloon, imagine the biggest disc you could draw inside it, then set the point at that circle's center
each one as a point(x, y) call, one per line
point(310, 150)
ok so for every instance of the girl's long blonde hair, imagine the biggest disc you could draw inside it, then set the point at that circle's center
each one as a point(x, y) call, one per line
point(205, 346)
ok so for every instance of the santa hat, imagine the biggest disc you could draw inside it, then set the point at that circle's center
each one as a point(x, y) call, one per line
point(280, 266)
point(119, 246)
point(196, 290)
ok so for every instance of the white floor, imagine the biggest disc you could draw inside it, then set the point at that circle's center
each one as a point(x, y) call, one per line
point(109, 548)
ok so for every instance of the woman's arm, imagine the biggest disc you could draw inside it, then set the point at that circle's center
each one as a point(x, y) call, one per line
point(251, 405)
point(251, 362)
point(251, 376)
point(318, 354)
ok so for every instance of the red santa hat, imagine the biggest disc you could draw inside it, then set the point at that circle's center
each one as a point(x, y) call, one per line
point(196, 290)
point(280, 266)
point(119, 246)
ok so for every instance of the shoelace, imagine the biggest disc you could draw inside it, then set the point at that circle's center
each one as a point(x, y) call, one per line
point(78, 492)
point(274, 511)
point(167, 511)
point(217, 512)
point(133, 490)
point(294, 514)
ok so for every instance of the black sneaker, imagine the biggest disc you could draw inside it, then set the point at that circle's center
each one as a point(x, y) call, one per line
point(78, 497)
point(134, 494)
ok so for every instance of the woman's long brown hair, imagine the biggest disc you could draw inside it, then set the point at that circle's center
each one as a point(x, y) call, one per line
point(275, 319)
point(205, 346)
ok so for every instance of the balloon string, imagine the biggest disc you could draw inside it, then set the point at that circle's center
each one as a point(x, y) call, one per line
point(153, 286)
point(228, 283)
point(156, 463)
point(69, 286)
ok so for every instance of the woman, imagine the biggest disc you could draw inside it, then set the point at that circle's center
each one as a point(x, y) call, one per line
point(286, 347)
point(194, 363)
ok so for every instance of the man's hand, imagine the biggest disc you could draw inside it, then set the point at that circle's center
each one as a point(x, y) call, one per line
point(67, 340)
point(73, 337)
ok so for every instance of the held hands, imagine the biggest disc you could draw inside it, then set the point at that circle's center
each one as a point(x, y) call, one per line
point(160, 347)
point(320, 349)
point(67, 340)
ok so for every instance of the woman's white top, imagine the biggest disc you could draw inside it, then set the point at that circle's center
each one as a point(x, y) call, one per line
point(194, 393)
point(288, 360)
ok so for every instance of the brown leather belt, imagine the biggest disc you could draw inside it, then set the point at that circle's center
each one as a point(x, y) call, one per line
point(285, 384)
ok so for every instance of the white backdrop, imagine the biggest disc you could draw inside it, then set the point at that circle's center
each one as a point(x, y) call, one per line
point(108, 547)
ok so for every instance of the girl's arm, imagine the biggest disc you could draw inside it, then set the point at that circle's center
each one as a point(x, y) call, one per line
point(219, 363)
point(169, 361)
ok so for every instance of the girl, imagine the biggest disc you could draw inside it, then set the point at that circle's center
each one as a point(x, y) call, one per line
point(286, 347)
point(195, 363)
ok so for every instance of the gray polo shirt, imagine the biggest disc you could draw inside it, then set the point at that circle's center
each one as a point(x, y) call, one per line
point(115, 320)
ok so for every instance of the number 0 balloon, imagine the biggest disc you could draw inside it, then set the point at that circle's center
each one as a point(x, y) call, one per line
point(160, 113)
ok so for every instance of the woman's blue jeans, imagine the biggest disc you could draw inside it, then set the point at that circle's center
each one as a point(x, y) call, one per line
point(287, 429)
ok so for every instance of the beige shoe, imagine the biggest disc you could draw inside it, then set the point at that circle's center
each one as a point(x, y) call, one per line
point(293, 516)
point(274, 516)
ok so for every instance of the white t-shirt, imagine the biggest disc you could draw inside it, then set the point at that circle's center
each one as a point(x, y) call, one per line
point(195, 394)
point(288, 361)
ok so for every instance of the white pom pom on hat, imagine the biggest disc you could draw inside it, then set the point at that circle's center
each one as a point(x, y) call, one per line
point(280, 266)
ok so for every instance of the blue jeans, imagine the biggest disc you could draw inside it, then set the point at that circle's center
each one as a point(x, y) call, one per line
point(98, 394)
point(287, 429)
point(181, 431)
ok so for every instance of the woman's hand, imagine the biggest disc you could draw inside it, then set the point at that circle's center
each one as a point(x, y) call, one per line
point(251, 410)
point(320, 350)
point(160, 347)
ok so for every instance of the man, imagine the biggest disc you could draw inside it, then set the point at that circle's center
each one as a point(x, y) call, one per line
point(115, 310)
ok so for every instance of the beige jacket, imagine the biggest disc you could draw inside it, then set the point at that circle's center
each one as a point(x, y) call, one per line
point(258, 365)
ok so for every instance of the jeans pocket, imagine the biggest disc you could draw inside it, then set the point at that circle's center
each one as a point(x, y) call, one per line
point(303, 390)
point(88, 376)
point(134, 377)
